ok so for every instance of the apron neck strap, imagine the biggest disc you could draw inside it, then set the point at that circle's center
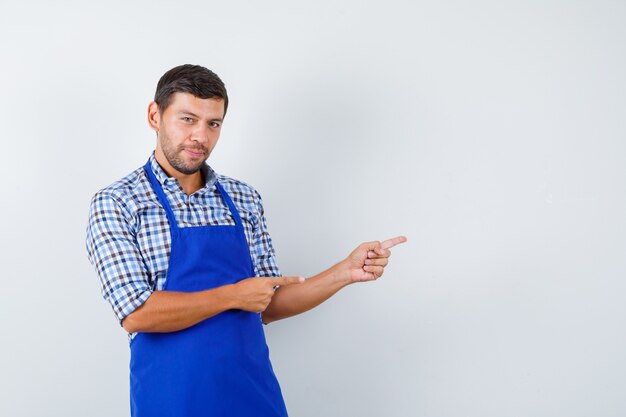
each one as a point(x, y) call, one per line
point(168, 209)
point(229, 202)
point(161, 195)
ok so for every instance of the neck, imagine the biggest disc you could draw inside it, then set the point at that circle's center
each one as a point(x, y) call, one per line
point(190, 183)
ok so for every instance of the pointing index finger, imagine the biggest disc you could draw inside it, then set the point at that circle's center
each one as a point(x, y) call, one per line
point(390, 243)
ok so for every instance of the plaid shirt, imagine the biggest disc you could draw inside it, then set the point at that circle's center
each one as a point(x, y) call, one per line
point(128, 235)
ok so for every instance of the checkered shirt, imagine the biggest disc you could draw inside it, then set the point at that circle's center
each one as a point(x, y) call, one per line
point(128, 235)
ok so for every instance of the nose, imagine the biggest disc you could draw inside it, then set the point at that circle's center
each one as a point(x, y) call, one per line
point(202, 133)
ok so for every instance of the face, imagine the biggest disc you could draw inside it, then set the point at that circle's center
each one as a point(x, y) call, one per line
point(187, 131)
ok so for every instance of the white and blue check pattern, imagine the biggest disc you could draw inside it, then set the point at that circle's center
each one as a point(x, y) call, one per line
point(128, 235)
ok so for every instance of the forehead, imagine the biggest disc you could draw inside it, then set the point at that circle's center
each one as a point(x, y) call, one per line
point(210, 108)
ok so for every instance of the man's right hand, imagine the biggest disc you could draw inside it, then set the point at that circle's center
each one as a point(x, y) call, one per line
point(255, 294)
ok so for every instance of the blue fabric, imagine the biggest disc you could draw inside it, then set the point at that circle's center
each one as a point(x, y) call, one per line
point(128, 236)
point(220, 366)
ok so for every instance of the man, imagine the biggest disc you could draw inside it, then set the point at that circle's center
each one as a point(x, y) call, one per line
point(186, 262)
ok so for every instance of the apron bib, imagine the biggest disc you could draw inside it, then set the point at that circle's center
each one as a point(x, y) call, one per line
point(220, 366)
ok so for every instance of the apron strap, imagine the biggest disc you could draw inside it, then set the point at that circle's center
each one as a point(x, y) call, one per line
point(168, 209)
point(229, 203)
point(161, 196)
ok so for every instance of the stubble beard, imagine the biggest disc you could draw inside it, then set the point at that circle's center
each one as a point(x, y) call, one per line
point(176, 160)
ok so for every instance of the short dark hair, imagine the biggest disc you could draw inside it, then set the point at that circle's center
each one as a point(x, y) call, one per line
point(193, 79)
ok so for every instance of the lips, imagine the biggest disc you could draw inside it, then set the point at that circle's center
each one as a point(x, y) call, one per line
point(196, 153)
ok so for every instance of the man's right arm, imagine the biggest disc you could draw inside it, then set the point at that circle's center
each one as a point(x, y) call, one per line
point(170, 311)
point(126, 284)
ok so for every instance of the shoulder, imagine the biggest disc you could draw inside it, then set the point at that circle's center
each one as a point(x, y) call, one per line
point(238, 189)
point(123, 194)
point(245, 197)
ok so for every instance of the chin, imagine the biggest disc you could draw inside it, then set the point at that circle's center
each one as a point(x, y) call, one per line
point(189, 171)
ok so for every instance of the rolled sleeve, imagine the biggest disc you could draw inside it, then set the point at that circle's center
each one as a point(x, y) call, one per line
point(262, 250)
point(113, 250)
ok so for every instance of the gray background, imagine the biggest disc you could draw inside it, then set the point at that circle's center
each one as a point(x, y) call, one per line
point(491, 133)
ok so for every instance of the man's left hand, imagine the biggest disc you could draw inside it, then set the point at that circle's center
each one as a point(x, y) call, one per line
point(368, 261)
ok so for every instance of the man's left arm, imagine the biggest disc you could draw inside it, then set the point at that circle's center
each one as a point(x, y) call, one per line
point(366, 263)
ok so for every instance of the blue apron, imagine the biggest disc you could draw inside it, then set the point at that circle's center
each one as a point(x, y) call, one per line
point(220, 366)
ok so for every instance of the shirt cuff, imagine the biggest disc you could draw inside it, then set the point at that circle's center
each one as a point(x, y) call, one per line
point(132, 305)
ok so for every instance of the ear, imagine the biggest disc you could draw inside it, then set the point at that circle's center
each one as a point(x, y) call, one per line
point(154, 117)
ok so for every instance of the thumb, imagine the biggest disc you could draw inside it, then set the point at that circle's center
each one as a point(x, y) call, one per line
point(375, 246)
point(287, 280)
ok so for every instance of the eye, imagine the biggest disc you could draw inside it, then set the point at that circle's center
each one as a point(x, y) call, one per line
point(214, 124)
point(187, 119)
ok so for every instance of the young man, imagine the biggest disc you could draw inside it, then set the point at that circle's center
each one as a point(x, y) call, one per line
point(186, 262)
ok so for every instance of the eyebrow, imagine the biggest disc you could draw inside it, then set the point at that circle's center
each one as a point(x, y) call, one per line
point(218, 119)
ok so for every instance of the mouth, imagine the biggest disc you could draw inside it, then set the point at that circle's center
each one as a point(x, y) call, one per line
point(195, 153)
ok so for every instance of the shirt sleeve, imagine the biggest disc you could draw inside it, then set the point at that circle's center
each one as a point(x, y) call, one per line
point(113, 250)
point(262, 251)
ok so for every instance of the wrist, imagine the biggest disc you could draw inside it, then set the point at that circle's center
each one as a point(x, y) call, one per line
point(341, 273)
point(227, 294)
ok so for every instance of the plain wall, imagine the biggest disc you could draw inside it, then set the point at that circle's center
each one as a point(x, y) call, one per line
point(491, 133)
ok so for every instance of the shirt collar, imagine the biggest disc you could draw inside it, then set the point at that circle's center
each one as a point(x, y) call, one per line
point(210, 177)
